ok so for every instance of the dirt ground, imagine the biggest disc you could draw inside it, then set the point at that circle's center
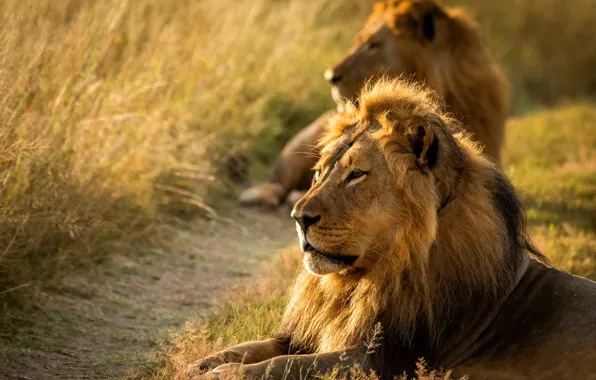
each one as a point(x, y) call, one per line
point(101, 323)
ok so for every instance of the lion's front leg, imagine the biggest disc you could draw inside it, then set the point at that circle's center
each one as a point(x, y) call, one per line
point(247, 353)
point(299, 367)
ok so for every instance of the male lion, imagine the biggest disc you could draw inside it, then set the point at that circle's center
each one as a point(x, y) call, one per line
point(417, 39)
point(409, 227)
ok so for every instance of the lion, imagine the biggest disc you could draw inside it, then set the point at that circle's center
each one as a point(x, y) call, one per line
point(420, 40)
point(415, 246)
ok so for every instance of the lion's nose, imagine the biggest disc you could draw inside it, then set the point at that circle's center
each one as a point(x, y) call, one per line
point(332, 76)
point(303, 220)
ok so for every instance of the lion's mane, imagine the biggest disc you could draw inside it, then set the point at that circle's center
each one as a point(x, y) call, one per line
point(442, 266)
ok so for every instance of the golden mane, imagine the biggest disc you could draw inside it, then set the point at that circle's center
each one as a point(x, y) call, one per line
point(486, 102)
point(442, 266)
point(463, 72)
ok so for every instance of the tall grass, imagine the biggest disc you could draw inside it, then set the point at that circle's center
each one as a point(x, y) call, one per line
point(112, 111)
point(104, 103)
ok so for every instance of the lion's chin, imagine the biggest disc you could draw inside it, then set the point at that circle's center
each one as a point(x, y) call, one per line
point(338, 98)
point(319, 265)
point(341, 98)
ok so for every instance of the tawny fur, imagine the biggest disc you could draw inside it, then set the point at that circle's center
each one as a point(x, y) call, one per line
point(444, 263)
point(318, 309)
point(456, 64)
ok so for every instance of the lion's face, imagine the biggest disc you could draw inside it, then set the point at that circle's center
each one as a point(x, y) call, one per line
point(395, 42)
point(343, 220)
point(378, 183)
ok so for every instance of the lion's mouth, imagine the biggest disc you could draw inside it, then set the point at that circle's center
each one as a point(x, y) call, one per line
point(334, 258)
point(338, 98)
point(341, 100)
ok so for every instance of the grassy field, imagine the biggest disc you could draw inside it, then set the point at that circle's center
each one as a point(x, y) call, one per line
point(115, 114)
point(116, 119)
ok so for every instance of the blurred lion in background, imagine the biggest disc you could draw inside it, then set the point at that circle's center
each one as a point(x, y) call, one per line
point(416, 39)
point(415, 246)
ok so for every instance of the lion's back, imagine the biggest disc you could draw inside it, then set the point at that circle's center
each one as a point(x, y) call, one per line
point(547, 327)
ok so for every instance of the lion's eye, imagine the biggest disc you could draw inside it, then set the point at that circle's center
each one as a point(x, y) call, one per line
point(374, 45)
point(354, 175)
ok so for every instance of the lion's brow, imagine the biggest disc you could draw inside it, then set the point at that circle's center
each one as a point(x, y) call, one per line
point(335, 157)
point(356, 135)
point(343, 147)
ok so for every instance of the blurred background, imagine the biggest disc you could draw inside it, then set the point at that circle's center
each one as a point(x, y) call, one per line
point(118, 118)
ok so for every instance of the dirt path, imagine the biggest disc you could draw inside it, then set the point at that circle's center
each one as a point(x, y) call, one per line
point(101, 323)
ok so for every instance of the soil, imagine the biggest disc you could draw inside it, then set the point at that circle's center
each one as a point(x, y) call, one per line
point(101, 323)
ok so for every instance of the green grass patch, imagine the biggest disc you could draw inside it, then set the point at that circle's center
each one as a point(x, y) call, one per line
point(551, 158)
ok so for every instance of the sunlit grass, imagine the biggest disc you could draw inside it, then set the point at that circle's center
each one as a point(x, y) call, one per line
point(551, 159)
point(113, 112)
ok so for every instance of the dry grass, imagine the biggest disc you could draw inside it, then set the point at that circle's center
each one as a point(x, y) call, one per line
point(112, 112)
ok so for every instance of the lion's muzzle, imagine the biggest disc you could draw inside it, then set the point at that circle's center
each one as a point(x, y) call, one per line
point(338, 259)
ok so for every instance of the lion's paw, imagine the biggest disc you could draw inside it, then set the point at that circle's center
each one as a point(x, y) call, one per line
point(228, 369)
point(204, 365)
point(266, 195)
point(202, 370)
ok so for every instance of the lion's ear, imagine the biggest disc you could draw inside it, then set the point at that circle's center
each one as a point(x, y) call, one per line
point(428, 26)
point(421, 18)
point(425, 145)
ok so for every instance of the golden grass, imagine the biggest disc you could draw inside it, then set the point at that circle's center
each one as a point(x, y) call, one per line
point(109, 109)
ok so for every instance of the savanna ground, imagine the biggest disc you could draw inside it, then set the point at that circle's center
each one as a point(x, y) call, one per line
point(116, 121)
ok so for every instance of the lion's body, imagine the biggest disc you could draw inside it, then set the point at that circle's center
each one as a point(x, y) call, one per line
point(546, 329)
point(455, 63)
point(415, 246)
point(293, 169)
